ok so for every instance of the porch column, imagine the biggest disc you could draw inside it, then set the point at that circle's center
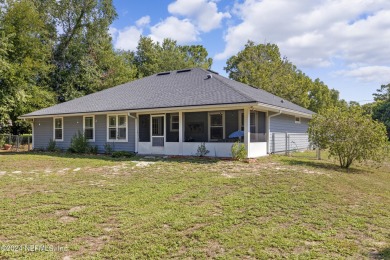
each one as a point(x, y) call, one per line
point(136, 138)
point(181, 132)
point(247, 128)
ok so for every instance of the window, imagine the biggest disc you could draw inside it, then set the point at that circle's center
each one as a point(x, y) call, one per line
point(58, 129)
point(117, 128)
point(297, 120)
point(89, 128)
point(174, 122)
point(216, 126)
point(253, 123)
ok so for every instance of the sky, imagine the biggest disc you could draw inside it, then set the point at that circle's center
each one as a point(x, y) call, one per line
point(344, 43)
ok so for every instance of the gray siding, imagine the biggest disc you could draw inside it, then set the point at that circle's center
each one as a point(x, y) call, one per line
point(286, 123)
point(43, 132)
point(297, 138)
point(71, 126)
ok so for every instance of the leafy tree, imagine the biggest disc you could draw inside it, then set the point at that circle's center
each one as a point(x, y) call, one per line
point(83, 56)
point(25, 54)
point(349, 134)
point(152, 57)
point(383, 94)
point(262, 66)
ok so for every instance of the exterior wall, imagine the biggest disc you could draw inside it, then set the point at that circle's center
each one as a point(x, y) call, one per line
point(286, 123)
point(285, 134)
point(257, 149)
point(43, 132)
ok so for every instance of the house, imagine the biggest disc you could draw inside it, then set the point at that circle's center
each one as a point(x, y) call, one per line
point(172, 113)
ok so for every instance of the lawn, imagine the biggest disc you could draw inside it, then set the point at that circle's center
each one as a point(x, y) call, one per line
point(57, 206)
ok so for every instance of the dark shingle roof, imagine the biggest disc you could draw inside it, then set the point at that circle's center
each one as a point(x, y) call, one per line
point(175, 89)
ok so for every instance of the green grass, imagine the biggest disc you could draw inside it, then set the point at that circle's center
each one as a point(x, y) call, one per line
point(277, 207)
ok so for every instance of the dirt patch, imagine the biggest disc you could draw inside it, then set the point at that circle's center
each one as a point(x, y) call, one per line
point(67, 219)
point(76, 209)
point(213, 249)
point(143, 163)
point(192, 229)
point(88, 246)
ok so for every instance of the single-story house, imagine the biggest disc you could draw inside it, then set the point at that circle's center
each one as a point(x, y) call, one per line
point(173, 113)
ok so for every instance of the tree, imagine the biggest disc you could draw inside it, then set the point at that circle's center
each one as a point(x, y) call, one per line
point(381, 112)
point(152, 57)
point(25, 54)
point(83, 56)
point(380, 109)
point(349, 134)
point(262, 66)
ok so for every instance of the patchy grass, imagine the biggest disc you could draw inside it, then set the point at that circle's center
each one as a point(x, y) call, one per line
point(277, 207)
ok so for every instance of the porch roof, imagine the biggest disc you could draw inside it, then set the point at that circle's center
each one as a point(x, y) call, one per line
point(182, 88)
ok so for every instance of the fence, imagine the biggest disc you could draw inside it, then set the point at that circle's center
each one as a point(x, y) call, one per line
point(288, 142)
point(15, 143)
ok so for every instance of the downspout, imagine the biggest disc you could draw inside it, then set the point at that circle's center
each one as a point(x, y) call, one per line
point(135, 131)
point(269, 129)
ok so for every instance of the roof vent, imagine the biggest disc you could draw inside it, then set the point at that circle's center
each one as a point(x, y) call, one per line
point(163, 73)
point(186, 70)
point(282, 101)
point(209, 76)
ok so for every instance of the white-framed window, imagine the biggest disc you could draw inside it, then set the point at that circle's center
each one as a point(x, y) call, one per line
point(216, 126)
point(58, 129)
point(89, 128)
point(174, 122)
point(253, 121)
point(117, 128)
point(297, 120)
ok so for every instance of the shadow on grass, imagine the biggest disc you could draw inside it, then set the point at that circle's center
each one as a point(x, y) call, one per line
point(320, 164)
point(103, 157)
point(383, 254)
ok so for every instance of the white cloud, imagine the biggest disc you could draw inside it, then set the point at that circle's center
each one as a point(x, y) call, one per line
point(143, 21)
point(183, 31)
point(313, 33)
point(203, 13)
point(368, 74)
point(127, 38)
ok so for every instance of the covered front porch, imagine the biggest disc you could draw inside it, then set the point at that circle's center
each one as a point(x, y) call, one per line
point(182, 132)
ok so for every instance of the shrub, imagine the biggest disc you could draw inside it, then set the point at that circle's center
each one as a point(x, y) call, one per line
point(122, 154)
point(108, 149)
point(93, 149)
point(79, 144)
point(2, 141)
point(239, 151)
point(349, 134)
point(52, 146)
point(202, 151)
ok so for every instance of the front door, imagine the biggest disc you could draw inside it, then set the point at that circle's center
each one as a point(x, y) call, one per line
point(158, 131)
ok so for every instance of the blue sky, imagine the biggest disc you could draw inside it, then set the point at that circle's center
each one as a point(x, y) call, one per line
point(345, 43)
